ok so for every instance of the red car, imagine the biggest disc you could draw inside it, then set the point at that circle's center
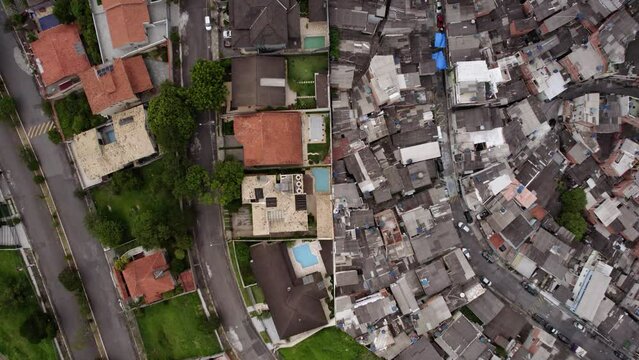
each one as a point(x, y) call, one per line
point(440, 20)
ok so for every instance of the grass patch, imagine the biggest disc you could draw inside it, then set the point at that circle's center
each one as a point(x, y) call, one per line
point(177, 329)
point(303, 68)
point(305, 89)
point(244, 291)
point(265, 337)
point(244, 261)
point(12, 344)
point(305, 103)
point(258, 294)
point(328, 344)
point(470, 315)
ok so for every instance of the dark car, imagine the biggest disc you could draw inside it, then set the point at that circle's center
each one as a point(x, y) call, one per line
point(551, 329)
point(469, 218)
point(563, 338)
point(530, 288)
point(488, 256)
point(621, 355)
point(538, 318)
point(482, 215)
point(440, 20)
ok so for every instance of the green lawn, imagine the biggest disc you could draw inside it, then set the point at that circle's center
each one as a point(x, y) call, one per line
point(244, 291)
point(303, 68)
point(177, 329)
point(12, 344)
point(126, 204)
point(328, 344)
point(258, 294)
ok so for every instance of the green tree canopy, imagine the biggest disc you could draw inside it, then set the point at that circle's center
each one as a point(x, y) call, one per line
point(226, 182)
point(7, 108)
point(207, 91)
point(70, 279)
point(573, 200)
point(109, 232)
point(574, 222)
point(194, 185)
point(15, 291)
point(62, 11)
point(171, 119)
point(38, 326)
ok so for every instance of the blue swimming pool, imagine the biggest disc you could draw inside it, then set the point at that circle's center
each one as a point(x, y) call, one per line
point(322, 179)
point(304, 256)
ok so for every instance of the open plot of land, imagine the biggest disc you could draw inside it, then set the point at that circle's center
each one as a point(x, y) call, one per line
point(328, 344)
point(12, 344)
point(317, 152)
point(177, 329)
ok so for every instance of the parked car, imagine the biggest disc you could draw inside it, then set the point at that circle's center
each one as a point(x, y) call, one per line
point(482, 215)
point(440, 20)
point(466, 253)
point(488, 256)
point(540, 319)
point(469, 218)
point(226, 34)
point(579, 326)
point(621, 355)
point(439, 7)
point(530, 288)
point(563, 338)
point(486, 282)
point(550, 329)
point(463, 226)
point(207, 23)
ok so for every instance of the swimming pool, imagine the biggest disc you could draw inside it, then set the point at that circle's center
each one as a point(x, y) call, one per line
point(314, 42)
point(304, 256)
point(322, 181)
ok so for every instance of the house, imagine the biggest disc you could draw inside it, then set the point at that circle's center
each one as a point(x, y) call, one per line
point(60, 57)
point(147, 278)
point(278, 203)
point(258, 82)
point(622, 159)
point(265, 24)
point(590, 288)
point(270, 138)
point(127, 20)
point(113, 87)
point(296, 304)
point(317, 10)
point(463, 339)
point(120, 143)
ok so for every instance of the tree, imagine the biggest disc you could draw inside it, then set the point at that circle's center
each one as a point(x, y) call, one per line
point(207, 91)
point(179, 254)
point(54, 136)
point(16, 291)
point(38, 326)
point(334, 39)
point(70, 279)
point(7, 108)
point(227, 181)
point(171, 119)
point(62, 11)
point(121, 262)
point(29, 158)
point(194, 184)
point(126, 180)
point(150, 230)
point(109, 232)
point(574, 222)
point(573, 200)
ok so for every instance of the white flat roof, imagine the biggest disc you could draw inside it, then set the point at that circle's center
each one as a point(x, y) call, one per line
point(472, 71)
point(420, 152)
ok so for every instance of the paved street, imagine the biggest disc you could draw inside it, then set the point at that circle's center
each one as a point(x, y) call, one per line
point(87, 251)
point(211, 254)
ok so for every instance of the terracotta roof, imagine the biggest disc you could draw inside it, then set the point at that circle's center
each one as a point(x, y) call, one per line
point(59, 53)
point(186, 279)
point(496, 240)
point(121, 284)
point(538, 212)
point(126, 19)
point(148, 277)
point(270, 138)
point(109, 84)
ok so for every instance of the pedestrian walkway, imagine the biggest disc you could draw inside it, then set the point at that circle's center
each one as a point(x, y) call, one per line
point(39, 129)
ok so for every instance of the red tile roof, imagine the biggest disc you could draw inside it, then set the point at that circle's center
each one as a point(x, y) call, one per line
point(148, 277)
point(270, 138)
point(126, 19)
point(496, 240)
point(121, 284)
point(59, 53)
point(538, 212)
point(125, 79)
point(186, 279)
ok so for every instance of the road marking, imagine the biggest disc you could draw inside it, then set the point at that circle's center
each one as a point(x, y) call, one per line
point(208, 271)
point(39, 129)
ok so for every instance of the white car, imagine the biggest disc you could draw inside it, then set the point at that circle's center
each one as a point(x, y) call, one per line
point(579, 326)
point(207, 23)
point(486, 282)
point(226, 34)
point(463, 226)
point(466, 253)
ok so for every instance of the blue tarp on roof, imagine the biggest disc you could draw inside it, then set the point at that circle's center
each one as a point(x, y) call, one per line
point(440, 40)
point(49, 21)
point(440, 60)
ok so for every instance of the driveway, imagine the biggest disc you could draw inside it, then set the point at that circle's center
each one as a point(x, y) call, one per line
point(211, 248)
point(88, 252)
